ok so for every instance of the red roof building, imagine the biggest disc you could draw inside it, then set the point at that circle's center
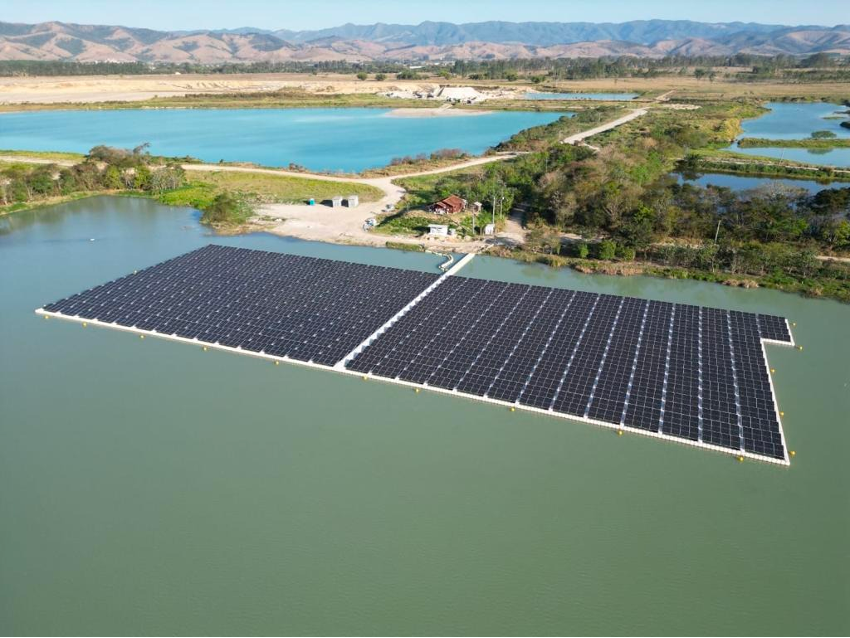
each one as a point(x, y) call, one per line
point(450, 205)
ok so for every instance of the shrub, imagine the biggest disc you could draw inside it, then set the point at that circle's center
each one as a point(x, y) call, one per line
point(581, 250)
point(606, 249)
point(626, 253)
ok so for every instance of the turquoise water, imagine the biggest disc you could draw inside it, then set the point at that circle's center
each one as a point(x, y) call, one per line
point(797, 121)
point(148, 487)
point(791, 121)
point(581, 96)
point(739, 183)
point(347, 140)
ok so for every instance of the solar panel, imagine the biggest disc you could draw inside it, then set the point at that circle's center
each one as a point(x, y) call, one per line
point(684, 372)
point(693, 374)
point(304, 308)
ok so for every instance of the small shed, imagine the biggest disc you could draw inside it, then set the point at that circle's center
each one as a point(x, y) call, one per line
point(476, 207)
point(336, 202)
point(490, 229)
point(449, 206)
point(353, 201)
point(438, 230)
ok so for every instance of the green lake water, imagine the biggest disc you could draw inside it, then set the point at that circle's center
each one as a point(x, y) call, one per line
point(148, 487)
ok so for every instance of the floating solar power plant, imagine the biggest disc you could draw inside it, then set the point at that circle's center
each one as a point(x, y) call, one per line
point(304, 308)
point(674, 371)
point(697, 375)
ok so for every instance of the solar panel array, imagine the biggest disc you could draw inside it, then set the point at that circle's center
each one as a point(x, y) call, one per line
point(692, 373)
point(304, 308)
point(687, 372)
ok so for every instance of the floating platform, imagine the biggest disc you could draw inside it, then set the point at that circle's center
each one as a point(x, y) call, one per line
point(685, 373)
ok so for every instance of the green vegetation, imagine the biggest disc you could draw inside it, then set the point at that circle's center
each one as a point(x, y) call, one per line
point(262, 188)
point(415, 163)
point(400, 224)
point(625, 202)
point(399, 245)
point(104, 169)
point(813, 142)
point(226, 209)
point(48, 155)
point(743, 67)
point(227, 198)
point(540, 137)
point(740, 164)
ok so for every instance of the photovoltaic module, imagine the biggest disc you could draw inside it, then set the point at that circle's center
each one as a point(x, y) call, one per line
point(688, 373)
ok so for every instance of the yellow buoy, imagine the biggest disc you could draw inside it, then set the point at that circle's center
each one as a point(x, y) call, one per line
point(205, 348)
point(364, 377)
point(772, 370)
point(277, 363)
point(794, 324)
point(141, 336)
point(619, 433)
point(417, 390)
point(793, 453)
point(740, 459)
point(85, 325)
point(46, 317)
point(799, 347)
point(513, 409)
point(781, 414)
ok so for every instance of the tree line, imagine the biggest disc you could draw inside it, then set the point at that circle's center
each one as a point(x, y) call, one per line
point(103, 169)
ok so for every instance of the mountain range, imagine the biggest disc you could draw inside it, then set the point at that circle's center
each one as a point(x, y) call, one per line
point(428, 41)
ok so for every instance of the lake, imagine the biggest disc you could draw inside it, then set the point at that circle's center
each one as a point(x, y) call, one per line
point(787, 121)
point(148, 487)
point(581, 96)
point(743, 183)
point(348, 140)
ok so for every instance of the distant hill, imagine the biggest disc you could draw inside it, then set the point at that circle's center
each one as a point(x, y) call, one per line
point(426, 41)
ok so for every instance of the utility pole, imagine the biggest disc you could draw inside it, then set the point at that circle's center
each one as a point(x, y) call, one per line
point(717, 232)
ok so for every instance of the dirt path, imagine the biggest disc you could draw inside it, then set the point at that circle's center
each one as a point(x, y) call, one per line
point(580, 137)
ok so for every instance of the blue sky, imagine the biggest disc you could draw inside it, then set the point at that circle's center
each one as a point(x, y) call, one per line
point(311, 14)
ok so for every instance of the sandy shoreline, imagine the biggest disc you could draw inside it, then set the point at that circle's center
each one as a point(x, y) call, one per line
point(440, 112)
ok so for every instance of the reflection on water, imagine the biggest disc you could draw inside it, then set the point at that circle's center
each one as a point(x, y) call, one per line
point(743, 183)
point(798, 121)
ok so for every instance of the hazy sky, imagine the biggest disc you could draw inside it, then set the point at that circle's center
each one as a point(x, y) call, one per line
point(312, 14)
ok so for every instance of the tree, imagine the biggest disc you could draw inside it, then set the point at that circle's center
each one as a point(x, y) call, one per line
point(380, 77)
point(606, 250)
point(581, 250)
point(823, 135)
point(142, 178)
point(112, 178)
point(362, 76)
point(222, 209)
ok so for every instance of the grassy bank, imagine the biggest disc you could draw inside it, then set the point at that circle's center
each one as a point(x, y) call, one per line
point(760, 142)
point(831, 281)
point(761, 166)
point(45, 155)
point(262, 188)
